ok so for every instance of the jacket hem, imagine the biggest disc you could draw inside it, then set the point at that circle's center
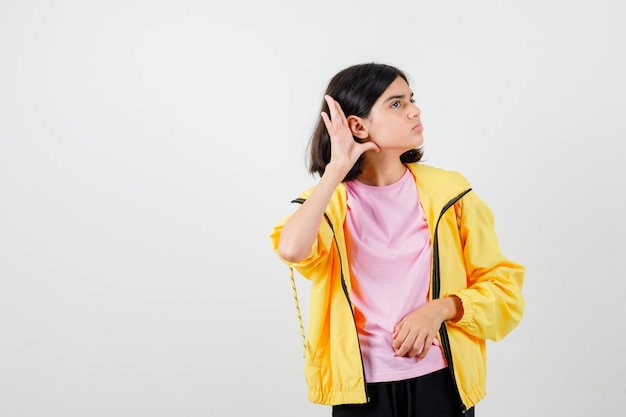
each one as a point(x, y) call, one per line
point(472, 397)
point(337, 397)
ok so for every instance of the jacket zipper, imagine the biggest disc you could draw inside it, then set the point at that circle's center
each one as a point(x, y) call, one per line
point(443, 331)
point(347, 294)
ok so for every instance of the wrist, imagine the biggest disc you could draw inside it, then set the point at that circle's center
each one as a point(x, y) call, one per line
point(451, 308)
point(336, 171)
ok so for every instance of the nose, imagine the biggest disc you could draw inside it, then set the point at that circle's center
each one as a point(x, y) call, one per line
point(414, 112)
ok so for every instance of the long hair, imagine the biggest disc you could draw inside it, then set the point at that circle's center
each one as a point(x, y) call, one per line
point(356, 89)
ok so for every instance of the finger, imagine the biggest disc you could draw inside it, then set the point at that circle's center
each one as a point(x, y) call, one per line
point(415, 350)
point(406, 345)
point(398, 328)
point(424, 351)
point(416, 347)
point(329, 125)
point(400, 337)
point(339, 109)
point(397, 342)
point(427, 344)
point(336, 113)
point(370, 146)
point(332, 109)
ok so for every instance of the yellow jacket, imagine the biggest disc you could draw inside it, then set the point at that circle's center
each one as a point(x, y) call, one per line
point(471, 267)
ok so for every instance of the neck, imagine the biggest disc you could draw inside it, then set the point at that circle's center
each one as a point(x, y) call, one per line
point(382, 173)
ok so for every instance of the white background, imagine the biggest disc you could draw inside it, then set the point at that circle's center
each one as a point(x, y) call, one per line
point(148, 147)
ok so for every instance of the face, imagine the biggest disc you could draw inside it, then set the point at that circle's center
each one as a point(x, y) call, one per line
point(394, 121)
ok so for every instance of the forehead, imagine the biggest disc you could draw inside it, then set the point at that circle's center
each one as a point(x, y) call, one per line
point(397, 89)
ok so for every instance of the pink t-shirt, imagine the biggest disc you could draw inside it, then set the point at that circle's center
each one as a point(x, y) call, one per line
point(389, 251)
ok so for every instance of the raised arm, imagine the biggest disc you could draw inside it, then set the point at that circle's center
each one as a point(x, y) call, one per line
point(300, 231)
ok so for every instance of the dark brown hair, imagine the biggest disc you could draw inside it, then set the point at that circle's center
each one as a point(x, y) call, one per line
point(356, 89)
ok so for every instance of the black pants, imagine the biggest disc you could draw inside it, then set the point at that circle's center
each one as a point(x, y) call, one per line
point(432, 395)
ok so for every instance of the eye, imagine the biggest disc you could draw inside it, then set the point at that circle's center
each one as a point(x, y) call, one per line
point(412, 100)
point(395, 104)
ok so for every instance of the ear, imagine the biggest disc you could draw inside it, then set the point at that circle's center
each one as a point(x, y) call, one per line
point(358, 127)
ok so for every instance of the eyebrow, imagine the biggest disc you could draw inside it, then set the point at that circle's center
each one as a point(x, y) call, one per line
point(398, 96)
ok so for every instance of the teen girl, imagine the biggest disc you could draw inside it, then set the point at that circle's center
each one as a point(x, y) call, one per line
point(408, 280)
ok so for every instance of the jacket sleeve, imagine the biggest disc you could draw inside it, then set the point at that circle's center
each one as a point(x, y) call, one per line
point(493, 302)
point(311, 266)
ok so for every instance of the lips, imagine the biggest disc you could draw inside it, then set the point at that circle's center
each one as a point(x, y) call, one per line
point(418, 127)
